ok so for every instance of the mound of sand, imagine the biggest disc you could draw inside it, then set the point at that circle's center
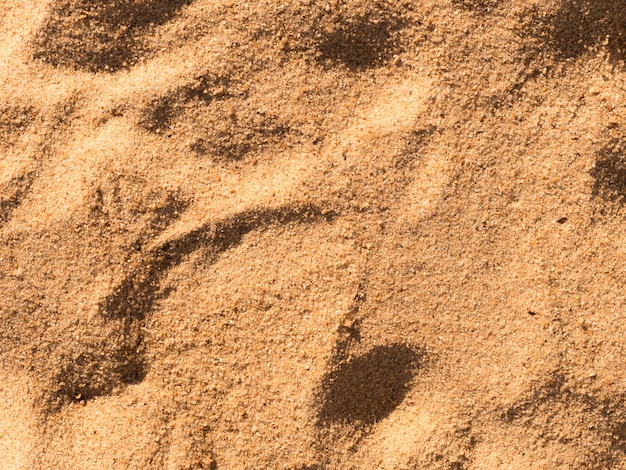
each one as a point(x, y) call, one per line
point(312, 235)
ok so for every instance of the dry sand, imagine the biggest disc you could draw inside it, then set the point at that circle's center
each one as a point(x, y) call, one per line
point(308, 234)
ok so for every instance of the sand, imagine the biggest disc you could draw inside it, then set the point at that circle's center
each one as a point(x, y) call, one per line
point(312, 235)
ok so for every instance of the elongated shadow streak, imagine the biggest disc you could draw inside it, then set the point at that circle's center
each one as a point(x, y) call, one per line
point(137, 294)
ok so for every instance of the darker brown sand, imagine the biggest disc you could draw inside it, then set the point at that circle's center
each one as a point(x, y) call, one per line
point(312, 235)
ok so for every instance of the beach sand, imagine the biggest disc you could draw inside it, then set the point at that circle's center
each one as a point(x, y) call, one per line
point(312, 235)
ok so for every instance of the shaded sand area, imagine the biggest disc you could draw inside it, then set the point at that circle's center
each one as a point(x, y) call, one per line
point(312, 235)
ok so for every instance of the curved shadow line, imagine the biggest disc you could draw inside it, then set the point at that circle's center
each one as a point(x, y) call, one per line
point(129, 303)
point(137, 293)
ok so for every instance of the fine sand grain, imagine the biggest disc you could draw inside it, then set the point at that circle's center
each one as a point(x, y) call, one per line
point(312, 235)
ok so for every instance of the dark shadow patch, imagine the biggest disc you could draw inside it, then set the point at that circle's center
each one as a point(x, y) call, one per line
point(101, 35)
point(171, 209)
point(14, 121)
point(161, 112)
point(88, 374)
point(458, 464)
point(360, 42)
point(581, 25)
point(617, 429)
point(367, 388)
point(213, 108)
point(478, 6)
point(415, 142)
point(12, 194)
point(232, 137)
point(609, 173)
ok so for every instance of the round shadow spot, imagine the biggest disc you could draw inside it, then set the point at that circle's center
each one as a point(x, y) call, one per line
point(100, 35)
point(368, 388)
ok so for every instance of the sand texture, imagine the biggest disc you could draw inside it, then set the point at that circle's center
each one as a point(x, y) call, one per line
point(310, 235)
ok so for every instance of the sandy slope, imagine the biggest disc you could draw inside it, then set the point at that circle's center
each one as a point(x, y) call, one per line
point(312, 235)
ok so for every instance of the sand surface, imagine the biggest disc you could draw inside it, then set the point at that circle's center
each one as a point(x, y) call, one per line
point(306, 235)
